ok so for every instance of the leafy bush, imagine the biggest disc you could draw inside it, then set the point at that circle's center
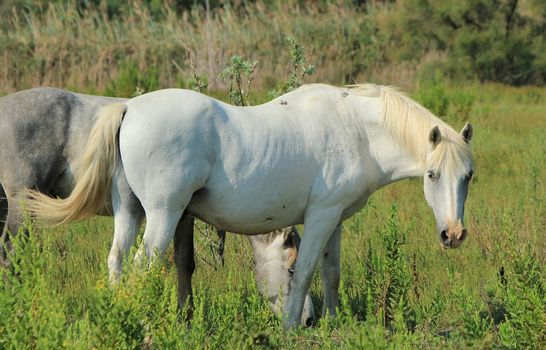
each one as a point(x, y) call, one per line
point(523, 298)
point(489, 40)
point(299, 67)
point(234, 75)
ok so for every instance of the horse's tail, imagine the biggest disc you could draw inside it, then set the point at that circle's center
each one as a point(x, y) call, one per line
point(93, 175)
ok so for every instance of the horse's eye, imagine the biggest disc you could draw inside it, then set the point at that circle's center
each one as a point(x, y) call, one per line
point(433, 176)
point(291, 270)
point(469, 175)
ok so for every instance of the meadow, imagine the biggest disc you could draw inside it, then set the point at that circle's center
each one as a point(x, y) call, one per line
point(399, 289)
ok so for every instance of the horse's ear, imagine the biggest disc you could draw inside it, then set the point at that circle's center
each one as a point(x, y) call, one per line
point(467, 132)
point(286, 234)
point(291, 237)
point(296, 236)
point(435, 136)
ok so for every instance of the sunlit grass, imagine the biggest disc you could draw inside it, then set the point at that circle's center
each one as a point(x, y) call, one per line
point(488, 293)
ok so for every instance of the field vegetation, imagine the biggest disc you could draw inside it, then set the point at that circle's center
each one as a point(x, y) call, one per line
point(84, 45)
point(398, 288)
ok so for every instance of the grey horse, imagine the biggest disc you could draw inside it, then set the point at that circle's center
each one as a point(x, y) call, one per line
point(42, 133)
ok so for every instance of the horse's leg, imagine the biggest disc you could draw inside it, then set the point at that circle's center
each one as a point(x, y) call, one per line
point(128, 215)
point(127, 221)
point(319, 225)
point(14, 218)
point(3, 208)
point(330, 272)
point(160, 227)
point(184, 261)
point(3, 222)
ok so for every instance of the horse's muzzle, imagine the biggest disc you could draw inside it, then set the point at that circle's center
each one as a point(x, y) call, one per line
point(454, 236)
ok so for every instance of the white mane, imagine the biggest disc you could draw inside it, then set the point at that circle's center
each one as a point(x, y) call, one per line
point(411, 123)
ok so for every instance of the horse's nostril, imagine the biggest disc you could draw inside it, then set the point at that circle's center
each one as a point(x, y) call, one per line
point(463, 234)
point(445, 239)
point(309, 322)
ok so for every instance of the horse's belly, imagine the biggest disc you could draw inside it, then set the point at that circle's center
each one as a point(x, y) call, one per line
point(248, 211)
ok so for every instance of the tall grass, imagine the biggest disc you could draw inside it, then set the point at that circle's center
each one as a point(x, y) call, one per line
point(399, 289)
point(59, 47)
point(82, 46)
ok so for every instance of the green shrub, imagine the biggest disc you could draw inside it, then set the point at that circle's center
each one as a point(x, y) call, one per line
point(433, 95)
point(523, 297)
point(298, 68)
point(238, 76)
point(131, 81)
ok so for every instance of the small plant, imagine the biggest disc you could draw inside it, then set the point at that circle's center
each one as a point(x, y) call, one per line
point(523, 298)
point(196, 82)
point(32, 309)
point(299, 67)
point(396, 291)
point(215, 242)
point(238, 76)
point(389, 278)
point(475, 321)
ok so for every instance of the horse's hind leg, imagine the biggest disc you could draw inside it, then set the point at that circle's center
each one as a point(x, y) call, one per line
point(3, 208)
point(330, 272)
point(13, 221)
point(128, 215)
point(163, 211)
point(185, 262)
point(126, 224)
point(160, 227)
point(3, 221)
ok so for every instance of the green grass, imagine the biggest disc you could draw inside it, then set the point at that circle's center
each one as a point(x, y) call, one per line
point(399, 289)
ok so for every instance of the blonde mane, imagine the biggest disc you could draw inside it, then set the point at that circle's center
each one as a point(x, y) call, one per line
point(410, 124)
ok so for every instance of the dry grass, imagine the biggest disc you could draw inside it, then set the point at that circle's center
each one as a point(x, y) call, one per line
point(61, 48)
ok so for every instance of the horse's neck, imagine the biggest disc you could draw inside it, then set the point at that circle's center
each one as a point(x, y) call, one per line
point(395, 163)
point(391, 158)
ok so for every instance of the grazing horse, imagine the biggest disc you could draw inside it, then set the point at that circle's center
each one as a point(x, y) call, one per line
point(43, 133)
point(311, 156)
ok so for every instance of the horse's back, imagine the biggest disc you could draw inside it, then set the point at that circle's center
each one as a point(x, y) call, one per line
point(42, 129)
point(175, 141)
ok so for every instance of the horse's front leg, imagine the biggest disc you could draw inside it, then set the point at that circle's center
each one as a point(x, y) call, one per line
point(185, 262)
point(330, 272)
point(319, 224)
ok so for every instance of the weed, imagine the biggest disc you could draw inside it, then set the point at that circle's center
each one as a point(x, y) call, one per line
point(238, 76)
point(298, 68)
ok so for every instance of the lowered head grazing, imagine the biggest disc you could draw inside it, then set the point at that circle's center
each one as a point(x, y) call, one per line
point(275, 256)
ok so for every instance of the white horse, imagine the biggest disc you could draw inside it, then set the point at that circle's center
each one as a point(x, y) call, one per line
point(43, 132)
point(311, 156)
